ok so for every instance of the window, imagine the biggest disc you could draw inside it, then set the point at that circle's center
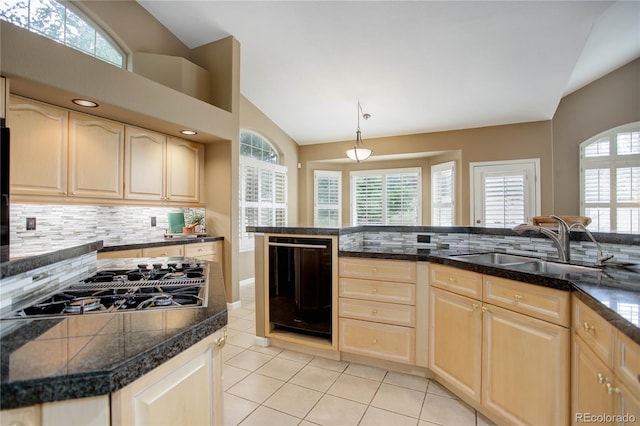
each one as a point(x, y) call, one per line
point(610, 180)
point(386, 197)
point(327, 198)
point(504, 193)
point(442, 194)
point(62, 24)
point(263, 187)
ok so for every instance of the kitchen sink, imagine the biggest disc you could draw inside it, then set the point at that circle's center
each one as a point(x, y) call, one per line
point(543, 267)
point(497, 259)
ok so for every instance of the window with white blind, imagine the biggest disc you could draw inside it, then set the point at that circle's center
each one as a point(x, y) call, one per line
point(263, 187)
point(386, 197)
point(504, 193)
point(327, 198)
point(610, 180)
point(442, 194)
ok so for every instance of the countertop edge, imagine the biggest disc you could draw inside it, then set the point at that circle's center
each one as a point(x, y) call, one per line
point(167, 242)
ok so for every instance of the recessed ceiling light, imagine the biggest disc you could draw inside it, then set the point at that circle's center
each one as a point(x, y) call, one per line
point(188, 132)
point(85, 103)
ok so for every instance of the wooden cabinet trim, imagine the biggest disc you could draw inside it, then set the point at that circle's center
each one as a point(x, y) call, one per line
point(378, 269)
point(386, 313)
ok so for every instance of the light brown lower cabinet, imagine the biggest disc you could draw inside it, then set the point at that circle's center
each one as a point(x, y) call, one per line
point(514, 366)
point(210, 250)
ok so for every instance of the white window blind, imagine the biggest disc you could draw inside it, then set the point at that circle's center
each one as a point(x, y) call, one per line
point(610, 180)
point(442, 194)
point(386, 197)
point(263, 187)
point(327, 198)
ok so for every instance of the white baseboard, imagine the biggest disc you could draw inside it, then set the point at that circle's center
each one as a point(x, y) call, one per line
point(234, 305)
point(263, 342)
point(248, 281)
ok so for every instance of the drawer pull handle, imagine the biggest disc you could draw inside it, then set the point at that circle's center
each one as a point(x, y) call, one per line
point(517, 297)
point(588, 327)
point(374, 341)
point(474, 306)
point(601, 379)
point(611, 389)
point(375, 270)
point(452, 280)
point(374, 291)
point(485, 309)
point(374, 312)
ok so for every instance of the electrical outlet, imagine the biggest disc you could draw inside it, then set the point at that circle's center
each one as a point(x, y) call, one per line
point(153, 221)
point(31, 224)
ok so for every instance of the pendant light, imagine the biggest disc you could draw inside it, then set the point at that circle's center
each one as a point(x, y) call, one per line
point(359, 152)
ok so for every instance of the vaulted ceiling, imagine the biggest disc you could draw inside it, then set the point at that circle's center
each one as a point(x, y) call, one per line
point(416, 66)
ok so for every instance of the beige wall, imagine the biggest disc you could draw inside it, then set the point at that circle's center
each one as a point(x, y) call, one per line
point(516, 141)
point(604, 104)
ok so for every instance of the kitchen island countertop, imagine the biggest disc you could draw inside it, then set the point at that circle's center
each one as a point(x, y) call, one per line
point(47, 360)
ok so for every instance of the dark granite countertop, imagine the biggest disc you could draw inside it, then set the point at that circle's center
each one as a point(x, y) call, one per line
point(614, 293)
point(160, 242)
point(57, 359)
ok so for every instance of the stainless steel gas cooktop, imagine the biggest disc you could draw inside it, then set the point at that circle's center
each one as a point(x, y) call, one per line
point(148, 287)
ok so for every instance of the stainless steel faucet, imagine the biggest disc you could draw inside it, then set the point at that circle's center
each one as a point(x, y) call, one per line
point(557, 239)
point(600, 258)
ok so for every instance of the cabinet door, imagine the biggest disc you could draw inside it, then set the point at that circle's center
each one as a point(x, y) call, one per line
point(589, 376)
point(96, 157)
point(185, 164)
point(144, 171)
point(455, 340)
point(38, 148)
point(206, 251)
point(525, 368)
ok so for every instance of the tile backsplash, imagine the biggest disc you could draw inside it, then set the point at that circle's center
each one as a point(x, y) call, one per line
point(61, 226)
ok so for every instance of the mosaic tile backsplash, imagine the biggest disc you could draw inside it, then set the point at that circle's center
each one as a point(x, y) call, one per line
point(61, 226)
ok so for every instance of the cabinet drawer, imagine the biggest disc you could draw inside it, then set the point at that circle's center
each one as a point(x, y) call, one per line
point(375, 269)
point(163, 251)
point(379, 291)
point(627, 366)
point(465, 283)
point(119, 254)
point(199, 249)
point(389, 342)
point(387, 313)
point(544, 303)
point(595, 330)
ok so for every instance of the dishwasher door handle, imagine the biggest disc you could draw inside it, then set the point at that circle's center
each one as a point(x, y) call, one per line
point(311, 246)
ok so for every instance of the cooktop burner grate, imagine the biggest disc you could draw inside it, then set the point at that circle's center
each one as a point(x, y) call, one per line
point(182, 282)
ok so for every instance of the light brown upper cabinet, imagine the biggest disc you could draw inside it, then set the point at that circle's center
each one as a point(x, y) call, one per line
point(38, 148)
point(55, 152)
point(162, 168)
point(96, 157)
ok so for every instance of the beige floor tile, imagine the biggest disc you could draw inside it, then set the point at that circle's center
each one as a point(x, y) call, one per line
point(241, 338)
point(366, 371)
point(249, 305)
point(315, 378)
point(331, 410)
point(269, 350)
point(407, 381)
point(294, 400)
point(232, 375)
point(296, 356)
point(377, 417)
point(279, 368)
point(249, 360)
point(241, 312)
point(447, 411)
point(241, 324)
point(236, 409)
point(354, 388)
point(264, 416)
point(256, 388)
point(229, 351)
point(329, 364)
point(400, 400)
point(437, 389)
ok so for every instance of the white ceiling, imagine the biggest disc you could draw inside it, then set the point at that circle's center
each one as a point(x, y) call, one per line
point(416, 66)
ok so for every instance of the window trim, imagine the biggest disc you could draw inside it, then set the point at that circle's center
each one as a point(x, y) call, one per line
point(384, 173)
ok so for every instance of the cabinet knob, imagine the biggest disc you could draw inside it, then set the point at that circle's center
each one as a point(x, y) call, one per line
point(452, 280)
point(374, 291)
point(221, 341)
point(601, 379)
point(64, 193)
point(588, 327)
point(374, 341)
point(611, 389)
point(474, 306)
point(374, 312)
point(375, 270)
point(485, 309)
point(517, 297)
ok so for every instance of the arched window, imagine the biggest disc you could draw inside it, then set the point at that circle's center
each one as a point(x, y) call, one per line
point(610, 180)
point(263, 186)
point(64, 25)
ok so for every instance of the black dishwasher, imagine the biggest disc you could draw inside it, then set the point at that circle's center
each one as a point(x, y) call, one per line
point(300, 282)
